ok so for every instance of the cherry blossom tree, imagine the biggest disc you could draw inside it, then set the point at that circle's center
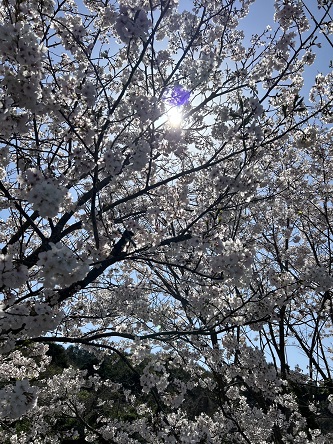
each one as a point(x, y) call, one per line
point(166, 195)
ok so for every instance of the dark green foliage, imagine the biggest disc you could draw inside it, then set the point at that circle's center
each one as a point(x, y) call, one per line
point(116, 369)
point(59, 355)
point(81, 359)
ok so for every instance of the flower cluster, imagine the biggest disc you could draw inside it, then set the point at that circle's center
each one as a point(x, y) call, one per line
point(145, 107)
point(319, 276)
point(45, 194)
point(26, 363)
point(24, 88)
point(307, 138)
point(107, 18)
point(20, 45)
point(61, 267)
point(139, 159)
point(46, 197)
point(87, 91)
point(17, 400)
point(322, 94)
point(113, 161)
point(154, 375)
point(12, 275)
point(288, 13)
point(29, 319)
point(234, 260)
point(132, 24)
point(12, 120)
point(71, 30)
point(20, 48)
point(4, 159)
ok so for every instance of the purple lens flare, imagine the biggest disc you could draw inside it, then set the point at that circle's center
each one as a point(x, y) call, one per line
point(176, 96)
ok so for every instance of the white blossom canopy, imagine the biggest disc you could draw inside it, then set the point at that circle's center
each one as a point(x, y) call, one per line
point(166, 195)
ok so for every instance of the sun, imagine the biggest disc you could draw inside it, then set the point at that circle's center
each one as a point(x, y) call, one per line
point(175, 117)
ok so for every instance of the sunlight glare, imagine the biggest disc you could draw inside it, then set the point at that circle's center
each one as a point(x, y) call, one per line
point(175, 117)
